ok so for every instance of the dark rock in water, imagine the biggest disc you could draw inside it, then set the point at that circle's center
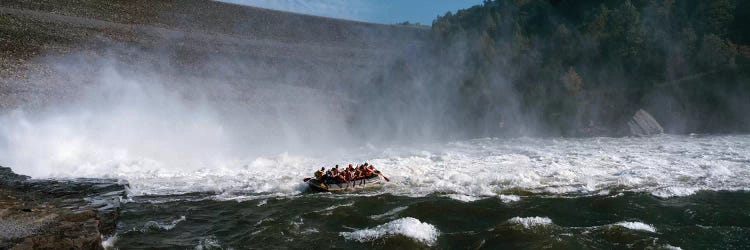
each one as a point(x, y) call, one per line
point(57, 214)
point(643, 124)
point(7, 177)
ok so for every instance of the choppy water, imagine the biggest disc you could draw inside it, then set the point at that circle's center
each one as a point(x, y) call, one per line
point(661, 192)
point(706, 219)
point(663, 166)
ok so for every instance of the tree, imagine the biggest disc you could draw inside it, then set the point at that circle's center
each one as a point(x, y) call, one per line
point(572, 81)
point(520, 41)
point(625, 27)
point(715, 52)
point(598, 25)
point(716, 15)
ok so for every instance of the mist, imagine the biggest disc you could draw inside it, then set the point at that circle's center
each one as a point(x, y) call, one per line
point(188, 99)
point(129, 106)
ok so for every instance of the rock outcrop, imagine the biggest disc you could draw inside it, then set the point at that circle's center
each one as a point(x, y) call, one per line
point(643, 124)
point(51, 214)
point(8, 178)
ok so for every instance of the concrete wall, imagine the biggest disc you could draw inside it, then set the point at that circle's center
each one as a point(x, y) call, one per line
point(191, 43)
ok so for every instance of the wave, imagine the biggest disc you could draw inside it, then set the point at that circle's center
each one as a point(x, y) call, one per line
point(389, 214)
point(408, 227)
point(160, 226)
point(109, 242)
point(209, 242)
point(530, 222)
point(464, 198)
point(329, 210)
point(509, 198)
point(668, 192)
point(670, 247)
point(635, 225)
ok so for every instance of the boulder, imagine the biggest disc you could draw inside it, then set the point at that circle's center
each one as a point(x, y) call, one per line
point(7, 177)
point(643, 124)
point(57, 214)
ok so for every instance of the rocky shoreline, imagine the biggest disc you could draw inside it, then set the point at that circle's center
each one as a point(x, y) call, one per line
point(57, 214)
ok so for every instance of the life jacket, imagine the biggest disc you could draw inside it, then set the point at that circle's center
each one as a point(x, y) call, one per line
point(344, 174)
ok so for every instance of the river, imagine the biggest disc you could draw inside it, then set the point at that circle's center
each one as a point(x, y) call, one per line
point(664, 192)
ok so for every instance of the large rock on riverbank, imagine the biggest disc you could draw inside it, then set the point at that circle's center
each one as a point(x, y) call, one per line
point(643, 124)
point(52, 214)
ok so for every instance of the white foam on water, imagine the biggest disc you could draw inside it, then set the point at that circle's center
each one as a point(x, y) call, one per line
point(109, 242)
point(174, 223)
point(468, 198)
point(240, 197)
point(662, 165)
point(509, 198)
point(529, 222)
point(209, 242)
point(670, 247)
point(329, 210)
point(635, 225)
point(389, 214)
point(668, 192)
point(283, 177)
point(296, 224)
point(463, 197)
point(263, 220)
point(153, 225)
point(409, 227)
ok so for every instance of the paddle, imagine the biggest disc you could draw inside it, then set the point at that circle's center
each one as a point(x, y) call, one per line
point(381, 174)
point(306, 179)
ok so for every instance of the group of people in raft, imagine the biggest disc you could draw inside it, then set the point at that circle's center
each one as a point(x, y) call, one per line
point(351, 173)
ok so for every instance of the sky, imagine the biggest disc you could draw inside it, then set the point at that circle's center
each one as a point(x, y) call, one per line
point(376, 11)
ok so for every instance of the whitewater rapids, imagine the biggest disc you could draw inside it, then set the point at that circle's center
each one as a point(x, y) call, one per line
point(664, 166)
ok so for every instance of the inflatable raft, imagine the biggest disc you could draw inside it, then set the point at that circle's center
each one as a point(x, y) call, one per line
point(333, 187)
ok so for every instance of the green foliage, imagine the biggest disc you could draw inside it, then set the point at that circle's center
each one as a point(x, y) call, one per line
point(546, 49)
point(716, 15)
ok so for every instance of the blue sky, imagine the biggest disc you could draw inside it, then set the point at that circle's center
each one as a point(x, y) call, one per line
point(377, 11)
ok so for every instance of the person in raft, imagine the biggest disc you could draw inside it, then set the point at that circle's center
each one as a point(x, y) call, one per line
point(320, 173)
point(350, 173)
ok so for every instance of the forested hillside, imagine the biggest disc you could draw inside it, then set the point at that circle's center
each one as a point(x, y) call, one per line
point(581, 67)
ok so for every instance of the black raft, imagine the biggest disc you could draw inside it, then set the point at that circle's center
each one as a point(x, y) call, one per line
point(317, 185)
